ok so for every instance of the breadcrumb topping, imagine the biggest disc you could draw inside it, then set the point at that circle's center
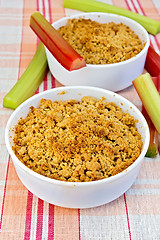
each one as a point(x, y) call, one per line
point(77, 141)
point(101, 43)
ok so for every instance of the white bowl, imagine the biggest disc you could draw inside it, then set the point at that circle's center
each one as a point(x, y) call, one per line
point(114, 77)
point(77, 194)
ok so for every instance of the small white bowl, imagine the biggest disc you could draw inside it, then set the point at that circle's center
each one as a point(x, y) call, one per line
point(77, 194)
point(114, 77)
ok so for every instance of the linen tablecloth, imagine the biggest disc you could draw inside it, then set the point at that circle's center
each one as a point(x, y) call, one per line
point(134, 215)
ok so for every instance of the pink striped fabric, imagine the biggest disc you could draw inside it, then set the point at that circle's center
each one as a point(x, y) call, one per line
point(28, 216)
point(133, 216)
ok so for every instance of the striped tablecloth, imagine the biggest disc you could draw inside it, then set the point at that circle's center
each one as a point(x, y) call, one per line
point(135, 215)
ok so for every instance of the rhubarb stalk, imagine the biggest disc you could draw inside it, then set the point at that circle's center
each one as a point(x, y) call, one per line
point(30, 80)
point(56, 44)
point(150, 97)
point(151, 25)
point(153, 145)
point(158, 88)
point(152, 64)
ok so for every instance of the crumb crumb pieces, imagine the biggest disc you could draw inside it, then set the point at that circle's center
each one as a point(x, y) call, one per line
point(101, 43)
point(61, 93)
point(77, 141)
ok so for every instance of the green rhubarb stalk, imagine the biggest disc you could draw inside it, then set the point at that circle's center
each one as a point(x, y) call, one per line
point(159, 144)
point(150, 98)
point(153, 144)
point(30, 80)
point(151, 25)
point(158, 88)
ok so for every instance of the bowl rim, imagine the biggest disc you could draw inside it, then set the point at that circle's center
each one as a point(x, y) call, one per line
point(139, 26)
point(79, 184)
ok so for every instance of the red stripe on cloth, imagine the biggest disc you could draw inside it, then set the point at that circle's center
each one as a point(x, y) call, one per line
point(51, 222)
point(44, 10)
point(39, 219)
point(158, 44)
point(50, 11)
point(45, 85)
point(79, 224)
point(37, 5)
point(30, 195)
point(140, 8)
point(37, 91)
point(20, 57)
point(129, 229)
point(151, 44)
point(4, 194)
point(125, 201)
point(127, 5)
point(53, 81)
point(50, 20)
point(28, 216)
point(135, 8)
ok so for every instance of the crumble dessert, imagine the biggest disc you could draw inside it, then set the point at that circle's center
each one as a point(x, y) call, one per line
point(101, 43)
point(77, 141)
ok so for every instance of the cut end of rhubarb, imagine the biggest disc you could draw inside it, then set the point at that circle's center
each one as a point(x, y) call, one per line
point(9, 103)
point(152, 151)
point(77, 64)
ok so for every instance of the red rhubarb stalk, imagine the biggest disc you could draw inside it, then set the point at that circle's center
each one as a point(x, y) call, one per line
point(56, 44)
point(152, 64)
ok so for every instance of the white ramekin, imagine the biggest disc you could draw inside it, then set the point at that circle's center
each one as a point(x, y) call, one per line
point(114, 77)
point(77, 194)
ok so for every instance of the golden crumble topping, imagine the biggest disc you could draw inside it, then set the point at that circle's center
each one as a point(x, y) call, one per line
point(101, 43)
point(77, 141)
